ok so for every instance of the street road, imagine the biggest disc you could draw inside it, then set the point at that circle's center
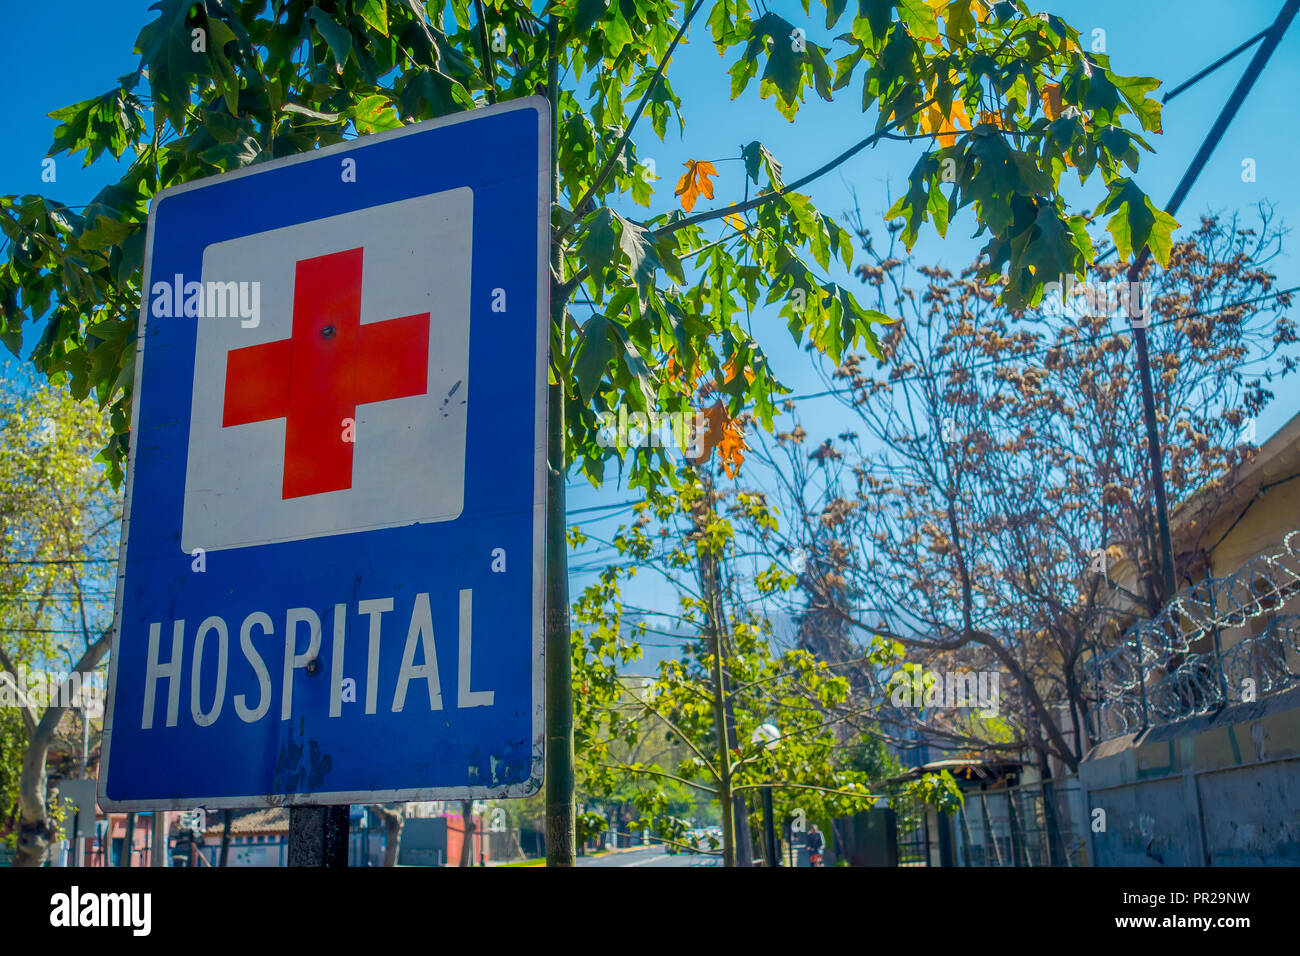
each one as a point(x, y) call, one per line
point(651, 856)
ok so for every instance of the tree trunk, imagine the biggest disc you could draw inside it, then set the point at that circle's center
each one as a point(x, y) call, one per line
point(128, 841)
point(737, 847)
point(227, 817)
point(393, 823)
point(1055, 845)
point(158, 841)
point(721, 725)
point(34, 828)
point(467, 825)
point(739, 806)
point(1039, 711)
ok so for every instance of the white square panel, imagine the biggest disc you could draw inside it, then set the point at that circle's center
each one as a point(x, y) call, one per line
point(408, 460)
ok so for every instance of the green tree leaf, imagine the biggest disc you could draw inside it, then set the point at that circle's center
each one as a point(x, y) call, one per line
point(335, 36)
point(375, 13)
point(166, 49)
point(757, 157)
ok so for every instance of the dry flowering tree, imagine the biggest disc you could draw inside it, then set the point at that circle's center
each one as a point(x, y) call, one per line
point(1000, 471)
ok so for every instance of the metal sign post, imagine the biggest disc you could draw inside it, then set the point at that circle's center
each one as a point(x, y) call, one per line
point(318, 836)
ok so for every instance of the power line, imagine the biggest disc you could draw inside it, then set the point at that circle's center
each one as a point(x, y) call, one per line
point(1220, 126)
point(1082, 340)
point(1110, 249)
point(1215, 65)
point(621, 504)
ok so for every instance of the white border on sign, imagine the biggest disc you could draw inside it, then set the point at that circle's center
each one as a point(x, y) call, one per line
point(543, 107)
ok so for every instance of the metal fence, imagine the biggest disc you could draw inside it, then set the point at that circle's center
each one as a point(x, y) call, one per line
point(1032, 824)
point(1153, 675)
point(914, 836)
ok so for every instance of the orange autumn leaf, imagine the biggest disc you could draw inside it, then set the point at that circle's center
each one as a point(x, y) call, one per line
point(934, 120)
point(730, 370)
point(1052, 100)
point(734, 219)
point(993, 119)
point(695, 182)
point(714, 424)
point(671, 368)
point(726, 435)
point(674, 371)
point(731, 449)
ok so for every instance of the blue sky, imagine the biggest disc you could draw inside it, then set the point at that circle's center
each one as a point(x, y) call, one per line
point(1167, 39)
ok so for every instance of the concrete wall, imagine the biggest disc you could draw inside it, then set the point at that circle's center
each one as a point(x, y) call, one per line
point(1222, 790)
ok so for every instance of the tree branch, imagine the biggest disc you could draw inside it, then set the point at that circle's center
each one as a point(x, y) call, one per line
point(809, 786)
point(31, 789)
point(631, 124)
point(566, 290)
point(662, 773)
point(684, 738)
point(24, 705)
point(488, 67)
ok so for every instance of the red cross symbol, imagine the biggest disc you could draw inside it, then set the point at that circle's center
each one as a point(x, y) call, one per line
point(331, 364)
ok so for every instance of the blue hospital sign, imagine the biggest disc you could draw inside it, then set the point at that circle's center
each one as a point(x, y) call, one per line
point(330, 582)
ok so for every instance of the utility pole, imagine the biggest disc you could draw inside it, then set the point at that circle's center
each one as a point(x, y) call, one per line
point(1154, 445)
point(769, 829)
point(560, 821)
point(739, 807)
point(714, 623)
point(716, 605)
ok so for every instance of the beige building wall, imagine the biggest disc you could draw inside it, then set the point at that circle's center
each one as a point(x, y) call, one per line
point(1222, 530)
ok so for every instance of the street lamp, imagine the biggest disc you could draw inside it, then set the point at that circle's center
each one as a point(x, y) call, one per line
point(766, 736)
